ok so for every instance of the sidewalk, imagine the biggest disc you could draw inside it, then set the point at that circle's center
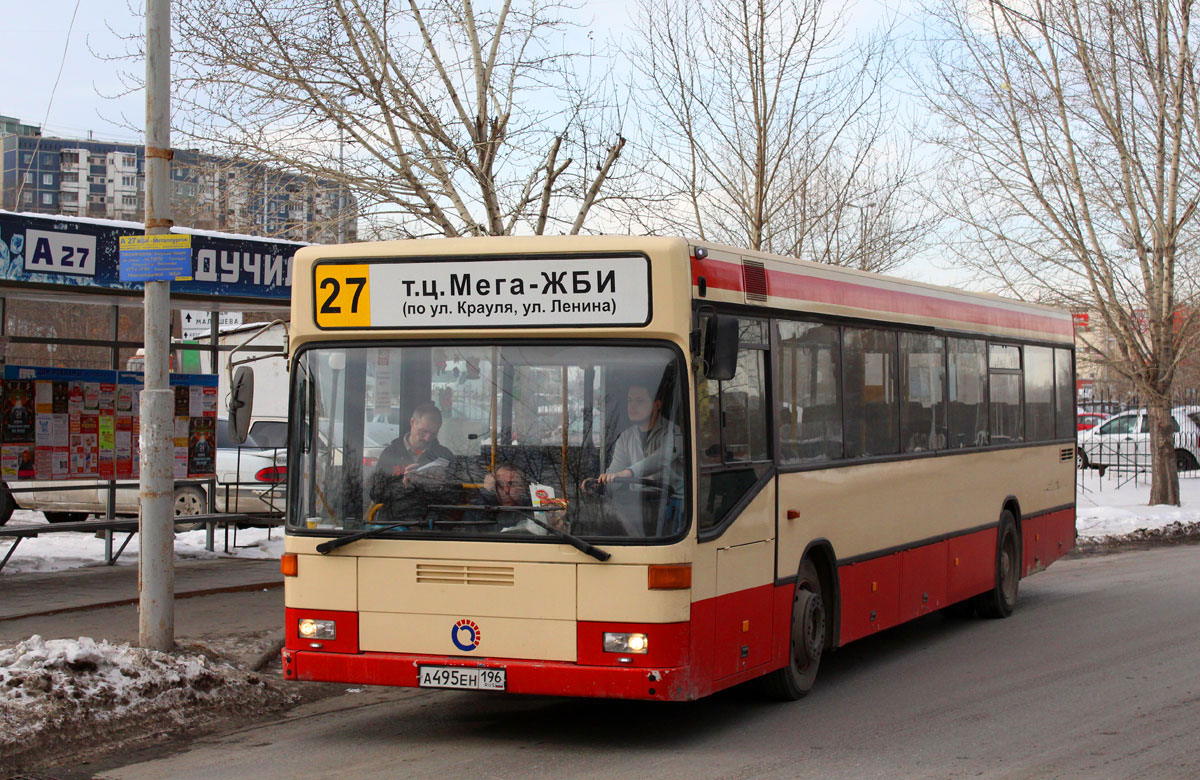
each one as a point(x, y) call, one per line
point(93, 587)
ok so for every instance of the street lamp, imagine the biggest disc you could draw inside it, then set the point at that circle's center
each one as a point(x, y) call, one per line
point(862, 223)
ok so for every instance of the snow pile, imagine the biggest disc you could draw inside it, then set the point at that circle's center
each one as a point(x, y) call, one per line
point(1112, 510)
point(60, 697)
point(56, 551)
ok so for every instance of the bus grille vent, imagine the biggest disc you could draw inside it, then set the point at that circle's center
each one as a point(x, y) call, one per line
point(454, 574)
point(1066, 454)
point(754, 279)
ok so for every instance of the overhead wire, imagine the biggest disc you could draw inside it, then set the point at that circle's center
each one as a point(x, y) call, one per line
point(49, 103)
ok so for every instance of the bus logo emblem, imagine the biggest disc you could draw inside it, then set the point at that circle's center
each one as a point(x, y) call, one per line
point(468, 630)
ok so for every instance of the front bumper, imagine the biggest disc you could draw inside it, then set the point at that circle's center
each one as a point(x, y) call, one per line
point(549, 678)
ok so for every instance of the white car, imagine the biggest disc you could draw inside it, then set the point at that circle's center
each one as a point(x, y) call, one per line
point(251, 479)
point(1123, 441)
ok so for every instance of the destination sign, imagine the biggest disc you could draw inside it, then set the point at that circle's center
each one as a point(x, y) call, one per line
point(541, 292)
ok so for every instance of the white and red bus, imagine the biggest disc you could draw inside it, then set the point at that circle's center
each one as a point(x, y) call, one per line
point(652, 468)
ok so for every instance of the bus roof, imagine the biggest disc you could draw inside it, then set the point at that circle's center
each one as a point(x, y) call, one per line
point(742, 276)
point(737, 276)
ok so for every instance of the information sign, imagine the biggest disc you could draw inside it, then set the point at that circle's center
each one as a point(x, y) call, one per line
point(156, 258)
point(198, 324)
point(483, 293)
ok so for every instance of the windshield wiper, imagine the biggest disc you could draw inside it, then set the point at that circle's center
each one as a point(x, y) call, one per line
point(579, 544)
point(566, 536)
point(327, 547)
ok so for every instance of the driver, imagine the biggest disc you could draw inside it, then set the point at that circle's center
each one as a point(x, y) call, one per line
point(409, 453)
point(650, 448)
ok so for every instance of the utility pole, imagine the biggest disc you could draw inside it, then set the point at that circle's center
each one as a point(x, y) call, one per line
point(156, 559)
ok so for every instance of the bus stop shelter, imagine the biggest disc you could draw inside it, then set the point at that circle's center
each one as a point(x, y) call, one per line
point(63, 306)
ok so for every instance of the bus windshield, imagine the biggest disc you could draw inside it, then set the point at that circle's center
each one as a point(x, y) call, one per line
point(490, 441)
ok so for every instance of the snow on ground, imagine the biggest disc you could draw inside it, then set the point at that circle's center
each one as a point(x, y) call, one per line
point(63, 697)
point(55, 551)
point(87, 693)
point(1115, 505)
point(1110, 506)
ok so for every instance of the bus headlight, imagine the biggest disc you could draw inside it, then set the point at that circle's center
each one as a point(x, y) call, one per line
point(625, 643)
point(317, 629)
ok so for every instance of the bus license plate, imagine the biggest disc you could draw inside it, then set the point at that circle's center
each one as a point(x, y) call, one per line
point(461, 677)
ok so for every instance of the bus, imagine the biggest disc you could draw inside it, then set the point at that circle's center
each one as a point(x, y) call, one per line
point(652, 468)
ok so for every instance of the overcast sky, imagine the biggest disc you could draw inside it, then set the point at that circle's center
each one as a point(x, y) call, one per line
point(37, 35)
point(85, 99)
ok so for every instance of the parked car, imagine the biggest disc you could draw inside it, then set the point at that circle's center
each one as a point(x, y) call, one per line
point(1087, 420)
point(1123, 441)
point(251, 479)
point(1102, 407)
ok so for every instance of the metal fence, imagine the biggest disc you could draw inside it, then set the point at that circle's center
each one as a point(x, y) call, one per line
point(1117, 452)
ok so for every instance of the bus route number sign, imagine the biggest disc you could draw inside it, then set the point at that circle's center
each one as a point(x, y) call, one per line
point(482, 293)
point(343, 296)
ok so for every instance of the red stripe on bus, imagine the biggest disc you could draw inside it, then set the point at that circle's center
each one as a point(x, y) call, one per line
point(814, 289)
point(1045, 539)
point(549, 678)
point(729, 639)
point(346, 624)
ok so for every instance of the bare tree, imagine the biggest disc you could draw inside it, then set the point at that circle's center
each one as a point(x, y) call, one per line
point(1074, 171)
point(444, 119)
point(771, 129)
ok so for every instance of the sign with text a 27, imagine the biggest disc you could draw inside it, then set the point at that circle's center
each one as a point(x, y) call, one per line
point(161, 258)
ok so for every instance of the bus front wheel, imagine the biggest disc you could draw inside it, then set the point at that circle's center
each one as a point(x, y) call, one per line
point(1001, 600)
point(809, 634)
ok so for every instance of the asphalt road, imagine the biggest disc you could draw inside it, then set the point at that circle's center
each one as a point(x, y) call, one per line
point(1097, 675)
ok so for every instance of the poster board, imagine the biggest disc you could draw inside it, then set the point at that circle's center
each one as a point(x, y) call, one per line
point(64, 424)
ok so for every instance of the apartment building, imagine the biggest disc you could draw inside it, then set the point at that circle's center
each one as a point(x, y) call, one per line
point(106, 180)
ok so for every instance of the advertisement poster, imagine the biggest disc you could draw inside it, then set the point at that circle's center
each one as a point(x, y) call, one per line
point(202, 445)
point(58, 424)
point(17, 426)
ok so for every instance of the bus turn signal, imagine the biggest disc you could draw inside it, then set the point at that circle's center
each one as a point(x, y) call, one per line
point(676, 576)
point(289, 564)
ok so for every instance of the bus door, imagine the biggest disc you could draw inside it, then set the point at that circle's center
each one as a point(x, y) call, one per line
point(736, 505)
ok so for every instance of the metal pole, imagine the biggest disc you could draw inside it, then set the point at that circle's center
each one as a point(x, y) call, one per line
point(156, 561)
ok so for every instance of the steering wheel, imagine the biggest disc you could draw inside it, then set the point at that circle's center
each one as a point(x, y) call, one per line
point(595, 487)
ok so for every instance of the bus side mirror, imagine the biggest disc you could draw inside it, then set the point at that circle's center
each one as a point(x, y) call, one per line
point(241, 403)
point(720, 347)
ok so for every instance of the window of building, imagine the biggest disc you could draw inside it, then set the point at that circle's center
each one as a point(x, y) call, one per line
point(870, 411)
point(26, 158)
point(967, 393)
point(47, 179)
point(29, 177)
point(810, 408)
point(27, 197)
point(47, 199)
point(923, 400)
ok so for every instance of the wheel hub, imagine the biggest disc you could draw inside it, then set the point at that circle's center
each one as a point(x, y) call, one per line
point(812, 623)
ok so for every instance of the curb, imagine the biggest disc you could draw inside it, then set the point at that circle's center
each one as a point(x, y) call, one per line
point(129, 601)
point(268, 656)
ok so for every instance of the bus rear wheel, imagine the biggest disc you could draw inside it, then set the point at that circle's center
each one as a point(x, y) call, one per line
point(810, 629)
point(1001, 600)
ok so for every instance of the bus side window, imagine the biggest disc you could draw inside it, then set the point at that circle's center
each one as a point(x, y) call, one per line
point(732, 423)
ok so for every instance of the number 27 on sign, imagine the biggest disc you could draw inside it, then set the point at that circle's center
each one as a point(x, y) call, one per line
point(343, 296)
